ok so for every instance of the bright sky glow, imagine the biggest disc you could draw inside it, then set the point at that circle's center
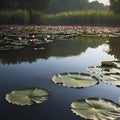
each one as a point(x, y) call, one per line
point(105, 2)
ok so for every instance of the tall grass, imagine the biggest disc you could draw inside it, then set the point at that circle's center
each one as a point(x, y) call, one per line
point(22, 17)
point(36, 17)
point(14, 17)
point(90, 17)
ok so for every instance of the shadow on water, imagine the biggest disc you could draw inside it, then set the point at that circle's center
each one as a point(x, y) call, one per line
point(55, 49)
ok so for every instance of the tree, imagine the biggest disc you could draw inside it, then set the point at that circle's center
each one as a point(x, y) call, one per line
point(115, 6)
point(67, 5)
point(25, 4)
point(95, 5)
point(72, 5)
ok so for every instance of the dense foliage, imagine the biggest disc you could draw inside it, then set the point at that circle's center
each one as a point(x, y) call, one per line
point(115, 5)
point(25, 4)
point(51, 6)
point(90, 17)
point(72, 5)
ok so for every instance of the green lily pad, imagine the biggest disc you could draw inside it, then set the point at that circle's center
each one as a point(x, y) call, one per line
point(76, 80)
point(95, 69)
point(27, 96)
point(103, 70)
point(96, 109)
point(113, 79)
point(111, 64)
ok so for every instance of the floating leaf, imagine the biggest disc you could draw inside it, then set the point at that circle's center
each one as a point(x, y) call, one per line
point(113, 79)
point(76, 80)
point(117, 63)
point(111, 64)
point(27, 96)
point(95, 69)
point(96, 109)
point(103, 70)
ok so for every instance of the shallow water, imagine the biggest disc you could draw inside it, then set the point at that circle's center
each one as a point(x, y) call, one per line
point(30, 68)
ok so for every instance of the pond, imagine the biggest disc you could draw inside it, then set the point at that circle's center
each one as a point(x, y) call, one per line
point(34, 68)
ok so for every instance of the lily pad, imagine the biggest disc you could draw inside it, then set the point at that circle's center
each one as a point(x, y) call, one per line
point(27, 96)
point(111, 64)
point(95, 69)
point(113, 79)
point(103, 70)
point(96, 109)
point(76, 80)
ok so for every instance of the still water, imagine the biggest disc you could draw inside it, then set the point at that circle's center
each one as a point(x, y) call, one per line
point(29, 68)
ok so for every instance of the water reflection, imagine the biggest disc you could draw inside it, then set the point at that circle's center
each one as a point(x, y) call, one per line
point(57, 49)
point(75, 56)
point(114, 45)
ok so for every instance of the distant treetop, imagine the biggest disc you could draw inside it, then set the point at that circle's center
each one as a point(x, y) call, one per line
point(115, 6)
point(40, 5)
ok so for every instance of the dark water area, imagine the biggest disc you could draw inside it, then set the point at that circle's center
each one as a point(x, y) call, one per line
point(29, 68)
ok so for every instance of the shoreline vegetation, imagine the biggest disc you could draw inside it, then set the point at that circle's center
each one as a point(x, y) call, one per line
point(88, 17)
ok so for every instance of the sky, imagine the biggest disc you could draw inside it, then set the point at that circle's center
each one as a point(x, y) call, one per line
point(105, 2)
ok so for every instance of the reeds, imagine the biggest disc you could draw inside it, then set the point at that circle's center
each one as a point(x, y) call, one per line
point(21, 17)
point(90, 17)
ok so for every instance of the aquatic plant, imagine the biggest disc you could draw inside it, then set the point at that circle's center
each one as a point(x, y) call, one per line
point(76, 80)
point(96, 109)
point(113, 79)
point(103, 70)
point(27, 96)
point(109, 71)
point(108, 64)
point(17, 37)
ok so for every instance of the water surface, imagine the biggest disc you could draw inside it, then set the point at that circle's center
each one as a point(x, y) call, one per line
point(30, 68)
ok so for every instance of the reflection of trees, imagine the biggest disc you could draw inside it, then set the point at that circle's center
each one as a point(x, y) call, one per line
point(75, 47)
point(114, 44)
point(58, 48)
point(24, 55)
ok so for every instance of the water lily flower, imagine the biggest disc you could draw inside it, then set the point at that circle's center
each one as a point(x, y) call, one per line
point(19, 37)
point(33, 41)
point(33, 36)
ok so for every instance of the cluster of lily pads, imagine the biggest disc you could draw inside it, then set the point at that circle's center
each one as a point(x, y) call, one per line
point(87, 108)
point(109, 71)
point(17, 37)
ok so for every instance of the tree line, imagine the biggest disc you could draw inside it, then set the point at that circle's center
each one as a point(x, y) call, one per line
point(51, 6)
point(55, 6)
point(73, 5)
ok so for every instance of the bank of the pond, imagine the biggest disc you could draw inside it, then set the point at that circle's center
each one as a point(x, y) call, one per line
point(91, 17)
